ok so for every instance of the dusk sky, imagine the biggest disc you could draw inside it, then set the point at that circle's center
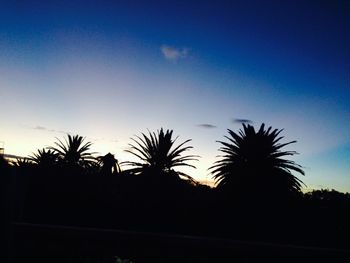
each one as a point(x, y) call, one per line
point(111, 70)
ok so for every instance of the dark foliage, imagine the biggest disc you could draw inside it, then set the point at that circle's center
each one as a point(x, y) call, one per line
point(252, 164)
point(159, 156)
point(109, 165)
point(45, 158)
point(74, 152)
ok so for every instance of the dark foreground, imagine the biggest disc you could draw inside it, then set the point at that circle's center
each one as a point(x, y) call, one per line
point(62, 216)
point(48, 243)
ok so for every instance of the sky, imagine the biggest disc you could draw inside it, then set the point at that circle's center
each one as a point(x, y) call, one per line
point(109, 70)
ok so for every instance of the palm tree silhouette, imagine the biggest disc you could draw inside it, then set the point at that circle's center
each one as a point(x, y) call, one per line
point(159, 155)
point(252, 162)
point(45, 158)
point(74, 152)
point(22, 162)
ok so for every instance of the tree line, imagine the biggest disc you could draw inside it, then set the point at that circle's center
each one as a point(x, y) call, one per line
point(249, 158)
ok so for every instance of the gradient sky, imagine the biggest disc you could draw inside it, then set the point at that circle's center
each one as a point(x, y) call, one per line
point(110, 70)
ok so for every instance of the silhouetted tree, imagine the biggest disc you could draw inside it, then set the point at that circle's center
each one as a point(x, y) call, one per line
point(74, 152)
point(109, 165)
point(158, 154)
point(253, 164)
point(45, 158)
point(326, 197)
point(23, 163)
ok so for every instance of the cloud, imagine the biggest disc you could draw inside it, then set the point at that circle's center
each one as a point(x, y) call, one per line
point(242, 121)
point(206, 125)
point(41, 128)
point(172, 53)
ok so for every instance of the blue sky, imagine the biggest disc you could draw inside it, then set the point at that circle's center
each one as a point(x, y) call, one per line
point(110, 70)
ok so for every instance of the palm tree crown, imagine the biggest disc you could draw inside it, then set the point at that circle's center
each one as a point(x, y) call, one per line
point(45, 158)
point(158, 154)
point(254, 160)
point(74, 151)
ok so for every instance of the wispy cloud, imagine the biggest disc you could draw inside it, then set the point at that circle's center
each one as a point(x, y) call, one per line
point(41, 128)
point(173, 53)
point(207, 126)
point(242, 121)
